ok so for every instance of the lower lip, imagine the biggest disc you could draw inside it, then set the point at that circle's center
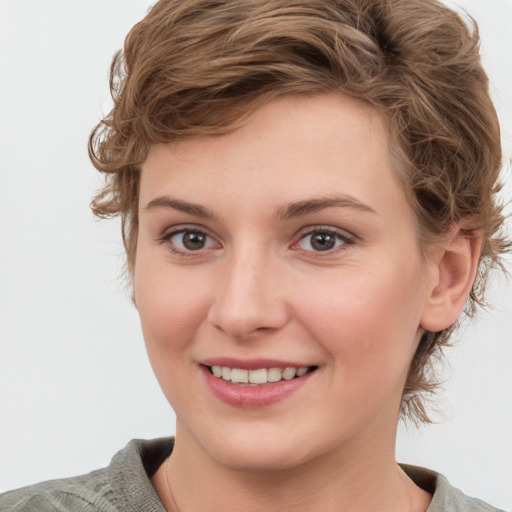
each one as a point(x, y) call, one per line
point(253, 396)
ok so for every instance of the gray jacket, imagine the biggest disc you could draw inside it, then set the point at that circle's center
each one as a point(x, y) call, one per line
point(125, 486)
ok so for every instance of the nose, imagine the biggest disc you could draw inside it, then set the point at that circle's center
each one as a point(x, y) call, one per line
point(249, 300)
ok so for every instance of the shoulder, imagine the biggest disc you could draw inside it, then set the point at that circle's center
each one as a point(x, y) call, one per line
point(123, 486)
point(446, 498)
point(84, 493)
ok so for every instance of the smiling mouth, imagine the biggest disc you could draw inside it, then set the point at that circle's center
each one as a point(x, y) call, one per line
point(259, 376)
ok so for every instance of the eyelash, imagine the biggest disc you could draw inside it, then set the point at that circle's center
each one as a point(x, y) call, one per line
point(343, 236)
point(339, 235)
point(167, 239)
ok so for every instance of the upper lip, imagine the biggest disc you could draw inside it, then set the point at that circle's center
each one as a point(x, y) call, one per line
point(251, 364)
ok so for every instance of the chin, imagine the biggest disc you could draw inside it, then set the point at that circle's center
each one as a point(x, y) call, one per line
point(258, 451)
point(257, 458)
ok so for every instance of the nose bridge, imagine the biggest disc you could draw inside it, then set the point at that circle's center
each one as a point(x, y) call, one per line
point(248, 298)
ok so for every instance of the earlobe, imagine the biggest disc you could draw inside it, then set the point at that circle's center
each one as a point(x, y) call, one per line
point(455, 265)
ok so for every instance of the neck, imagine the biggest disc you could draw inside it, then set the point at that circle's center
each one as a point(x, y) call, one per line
point(333, 482)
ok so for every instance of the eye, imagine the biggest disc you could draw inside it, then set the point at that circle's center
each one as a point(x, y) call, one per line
point(185, 241)
point(323, 240)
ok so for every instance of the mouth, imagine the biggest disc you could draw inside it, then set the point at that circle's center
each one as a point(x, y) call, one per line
point(258, 376)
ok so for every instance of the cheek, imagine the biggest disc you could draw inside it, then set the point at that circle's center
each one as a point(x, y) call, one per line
point(366, 319)
point(171, 307)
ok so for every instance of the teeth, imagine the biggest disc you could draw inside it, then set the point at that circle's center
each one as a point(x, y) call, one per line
point(289, 373)
point(274, 375)
point(259, 376)
point(237, 375)
point(302, 371)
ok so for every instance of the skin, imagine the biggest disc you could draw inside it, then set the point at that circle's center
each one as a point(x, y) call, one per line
point(260, 289)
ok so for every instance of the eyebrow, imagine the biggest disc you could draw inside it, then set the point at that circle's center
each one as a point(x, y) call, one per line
point(301, 208)
point(288, 211)
point(181, 206)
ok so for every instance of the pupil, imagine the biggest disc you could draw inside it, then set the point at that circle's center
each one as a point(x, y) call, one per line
point(194, 241)
point(323, 242)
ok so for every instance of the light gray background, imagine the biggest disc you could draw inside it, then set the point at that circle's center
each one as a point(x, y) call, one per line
point(75, 383)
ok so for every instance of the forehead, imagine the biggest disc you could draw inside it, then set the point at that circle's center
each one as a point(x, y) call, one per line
point(285, 143)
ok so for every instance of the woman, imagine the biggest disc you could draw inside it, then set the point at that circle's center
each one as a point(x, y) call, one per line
point(307, 196)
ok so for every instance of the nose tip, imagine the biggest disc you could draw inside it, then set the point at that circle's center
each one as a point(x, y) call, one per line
point(244, 327)
point(248, 302)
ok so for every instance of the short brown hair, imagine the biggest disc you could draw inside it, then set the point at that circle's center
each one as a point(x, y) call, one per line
point(201, 67)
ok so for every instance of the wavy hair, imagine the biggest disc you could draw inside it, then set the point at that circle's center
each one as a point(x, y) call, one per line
point(201, 67)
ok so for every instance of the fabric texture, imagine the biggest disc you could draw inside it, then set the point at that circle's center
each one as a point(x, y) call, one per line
point(125, 486)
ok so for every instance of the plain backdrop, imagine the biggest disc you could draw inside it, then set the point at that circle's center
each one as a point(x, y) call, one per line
point(75, 383)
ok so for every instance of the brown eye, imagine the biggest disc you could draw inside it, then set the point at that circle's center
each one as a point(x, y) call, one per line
point(190, 240)
point(193, 241)
point(322, 240)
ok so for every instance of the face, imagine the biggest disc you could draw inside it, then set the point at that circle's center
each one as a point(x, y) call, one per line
point(280, 285)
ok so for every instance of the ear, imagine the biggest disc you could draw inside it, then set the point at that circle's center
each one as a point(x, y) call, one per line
point(454, 265)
